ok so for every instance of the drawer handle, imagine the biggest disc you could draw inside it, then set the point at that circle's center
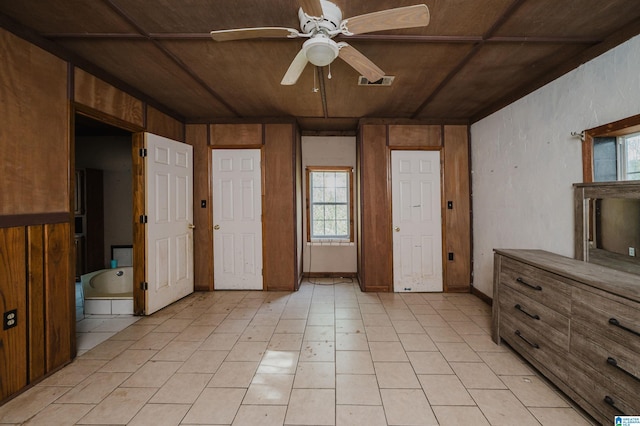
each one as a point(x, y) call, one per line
point(612, 403)
point(523, 282)
point(615, 322)
point(533, 345)
point(521, 309)
point(612, 362)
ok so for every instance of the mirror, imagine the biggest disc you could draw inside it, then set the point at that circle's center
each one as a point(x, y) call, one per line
point(608, 224)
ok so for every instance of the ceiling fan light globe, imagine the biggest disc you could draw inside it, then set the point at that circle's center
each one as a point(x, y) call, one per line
point(320, 51)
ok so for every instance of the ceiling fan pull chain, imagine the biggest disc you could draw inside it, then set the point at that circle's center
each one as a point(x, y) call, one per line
point(315, 82)
point(329, 75)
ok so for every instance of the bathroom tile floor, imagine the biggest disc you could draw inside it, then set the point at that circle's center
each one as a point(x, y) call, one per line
point(325, 355)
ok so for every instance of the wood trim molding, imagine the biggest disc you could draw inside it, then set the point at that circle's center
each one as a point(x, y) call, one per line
point(10, 221)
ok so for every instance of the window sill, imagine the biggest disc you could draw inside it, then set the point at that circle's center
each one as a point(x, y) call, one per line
point(331, 243)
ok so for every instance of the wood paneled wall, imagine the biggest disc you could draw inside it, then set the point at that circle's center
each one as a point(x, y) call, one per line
point(375, 243)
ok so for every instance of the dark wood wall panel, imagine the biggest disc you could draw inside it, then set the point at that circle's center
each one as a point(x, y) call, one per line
point(34, 130)
point(60, 296)
point(13, 342)
point(248, 134)
point(36, 291)
point(457, 221)
point(139, 240)
point(95, 93)
point(278, 209)
point(376, 242)
point(196, 136)
point(414, 136)
point(161, 124)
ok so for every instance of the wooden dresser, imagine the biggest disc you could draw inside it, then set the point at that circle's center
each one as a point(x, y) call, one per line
point(576, 322)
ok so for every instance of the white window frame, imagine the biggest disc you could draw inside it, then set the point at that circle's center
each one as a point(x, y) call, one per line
point(310, 203)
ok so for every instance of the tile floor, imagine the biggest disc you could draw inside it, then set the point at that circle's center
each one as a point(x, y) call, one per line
point(325, 355)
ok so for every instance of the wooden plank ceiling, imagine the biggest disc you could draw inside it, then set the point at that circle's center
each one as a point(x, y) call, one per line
point(473, 58)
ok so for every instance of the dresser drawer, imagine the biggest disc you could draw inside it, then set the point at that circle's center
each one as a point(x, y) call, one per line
point(540, 318)
point(533, 346)
point(544, 287)
point(616, 362)
point(612, 318)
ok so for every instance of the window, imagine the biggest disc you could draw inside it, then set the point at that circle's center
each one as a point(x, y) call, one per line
point(616, 158)
point(629, 154)
point(329, 203)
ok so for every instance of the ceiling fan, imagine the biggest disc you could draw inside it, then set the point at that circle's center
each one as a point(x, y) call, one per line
point(320, 22)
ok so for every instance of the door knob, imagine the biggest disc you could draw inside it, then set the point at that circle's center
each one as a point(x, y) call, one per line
point(396, 228)
point(216, 227)
point(191, 226)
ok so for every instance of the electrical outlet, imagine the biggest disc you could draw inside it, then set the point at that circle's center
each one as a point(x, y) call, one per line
point(10, 319)
point(632, 251)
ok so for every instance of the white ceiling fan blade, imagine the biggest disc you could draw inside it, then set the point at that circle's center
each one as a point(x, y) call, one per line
point(258, 32)
point(359, 62)
point(390, 19)
point(295, 69)
point(312, 7)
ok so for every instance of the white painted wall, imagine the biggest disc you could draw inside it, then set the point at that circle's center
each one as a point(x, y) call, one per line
point(328, 151)
point(524, 160)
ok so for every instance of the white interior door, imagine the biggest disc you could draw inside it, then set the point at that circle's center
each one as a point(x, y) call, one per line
point(417, 221)
point(237, 219)
point(169, 207)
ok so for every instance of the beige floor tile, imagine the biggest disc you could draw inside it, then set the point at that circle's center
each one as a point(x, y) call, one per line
point(27, 404)
point(466, 328)
point(119, 407)
point(220, 341)
point(354, 362)
point(215, 406)
point(396, 375)
point(232, 326)
point(353, 326)
point(348, 314)
point(351, 342)
point(387, 351)
point(501, 407)
point(476, 375)
point(357, 389)
point(445, 389)
point(94, 388)
point(407, 407)
point(269, 389)
point(319, 333)
point(285, 342)
point(234, 375)
point(432, 320)
point(429, 363)
point(482, 343)
point(173, 325)
point(109, 349)
point(311, 407)
point(247, 351)
point(321, 319)
point(177, 351)
point(560, 417)
point(209, 319)
point(153, 341)
point(417, 342)
point(461, 416)
point(257, 333)
point(506, 364)
point(181, 389)
point(160, 415)
point(203, 362)
point(134, 332)
point(381, 334)
point(318, 375)
point(263, 415)
point(239, 313)
point(60, 415)
point(295, 313)
point(74, 373)
point(360, 415)
point(533, 392)
point(152, 375)
point(457, 352)
point(422, 309)
point(399, 313)
point(318, 351)
point(407, 326)
point(291, 326)
point(128, 361)
point(376, 320)
point(279, 362)
point(442, 334)
point(195, 333)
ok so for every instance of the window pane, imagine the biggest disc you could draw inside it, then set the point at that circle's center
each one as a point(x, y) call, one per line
point(342, 227)
point(318, 213)
point(341, 179)
point(633, 157)
point(329, 179)
point(329, 201)
point(318, 228)
point(342, 212)
point(329, 212)
point(317, 179)
point(330, 228)
point(341, 195)
point(318, 195)
point(329, 195)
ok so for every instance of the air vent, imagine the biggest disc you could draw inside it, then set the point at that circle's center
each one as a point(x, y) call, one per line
point(384, 81)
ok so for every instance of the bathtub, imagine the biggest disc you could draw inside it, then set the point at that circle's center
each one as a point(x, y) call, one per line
point(108, 291)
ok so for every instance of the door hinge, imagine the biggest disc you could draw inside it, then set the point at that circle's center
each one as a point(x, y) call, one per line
point(143, 218)
point(144, 285)
point(143, 152)
point(450, 255)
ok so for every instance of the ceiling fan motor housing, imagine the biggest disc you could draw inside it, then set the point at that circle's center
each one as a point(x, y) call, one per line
point(330, 21)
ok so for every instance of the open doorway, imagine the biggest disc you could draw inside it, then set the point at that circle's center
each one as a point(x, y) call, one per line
point(103, 230)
